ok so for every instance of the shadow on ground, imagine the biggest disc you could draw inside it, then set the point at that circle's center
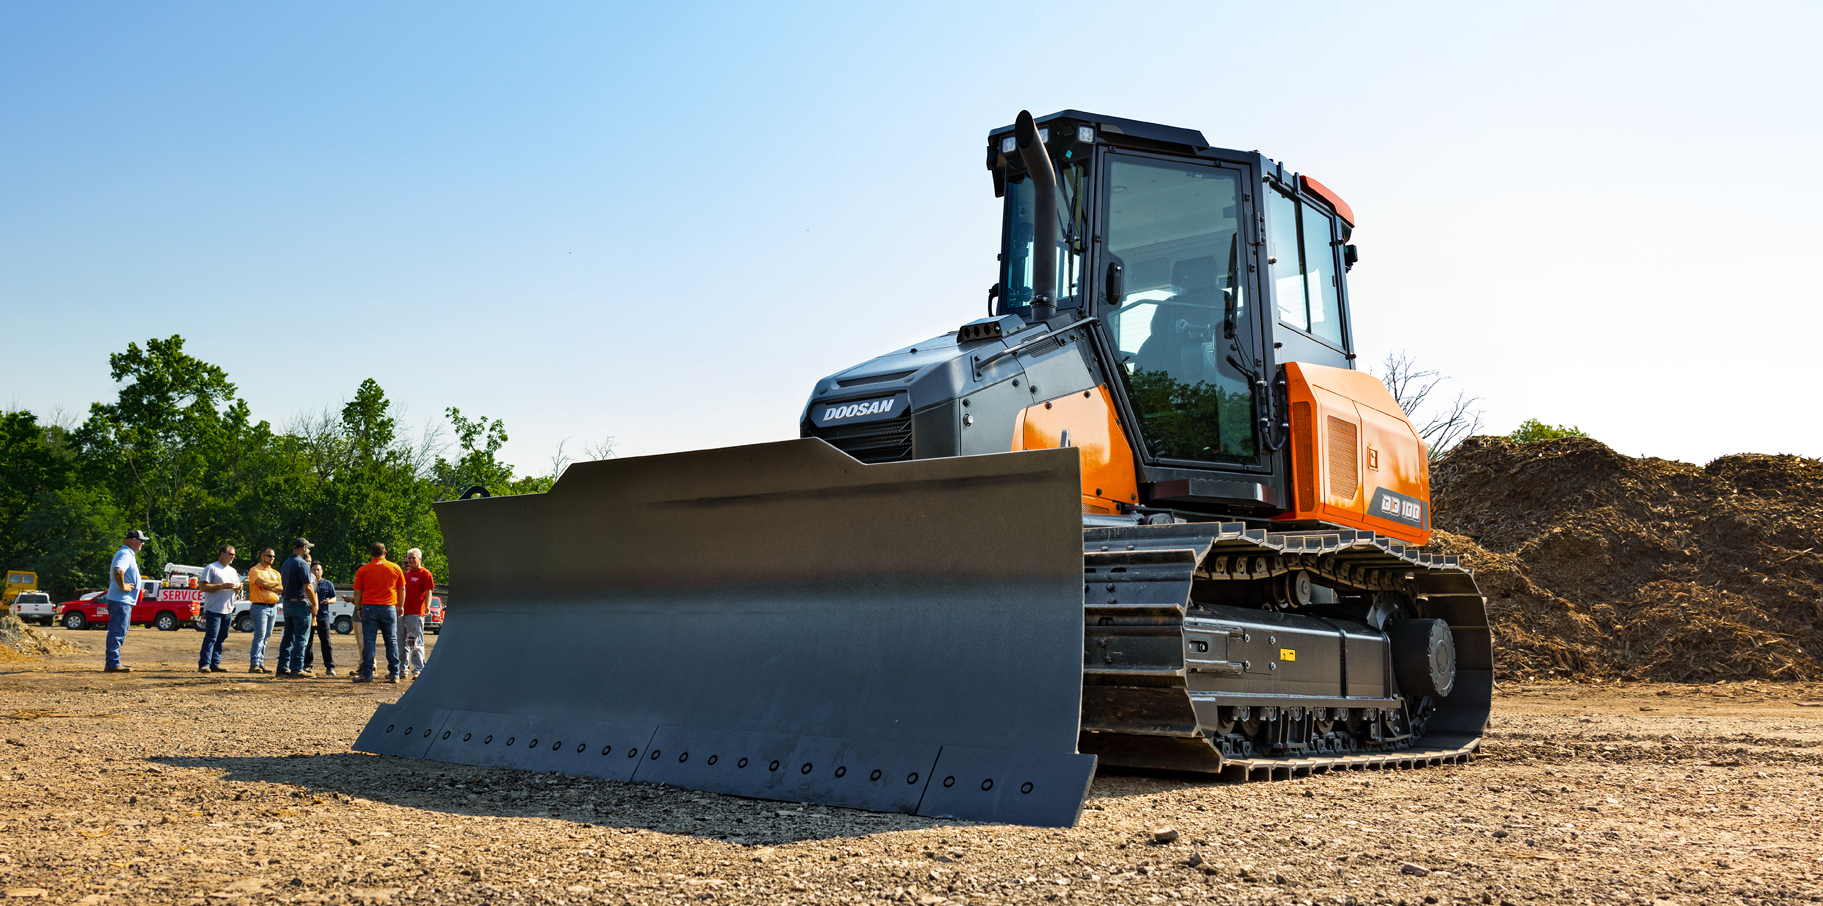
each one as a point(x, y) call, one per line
point(464, 790)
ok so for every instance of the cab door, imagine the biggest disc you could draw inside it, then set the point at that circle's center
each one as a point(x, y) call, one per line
point(1176, 308)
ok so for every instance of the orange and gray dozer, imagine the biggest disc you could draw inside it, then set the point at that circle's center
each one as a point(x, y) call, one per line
point(1143, 513)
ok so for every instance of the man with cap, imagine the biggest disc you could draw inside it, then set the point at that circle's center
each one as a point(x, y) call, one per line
point(122, 594)
point(299, 594)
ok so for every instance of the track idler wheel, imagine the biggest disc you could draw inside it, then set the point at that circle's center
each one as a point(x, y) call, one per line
point(1424, 657)
point(1292, 589)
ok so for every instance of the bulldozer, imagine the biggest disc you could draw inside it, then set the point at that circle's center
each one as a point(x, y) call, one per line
point(1143, 513)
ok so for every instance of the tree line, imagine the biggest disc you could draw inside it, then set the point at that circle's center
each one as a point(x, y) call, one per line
point(178, 453)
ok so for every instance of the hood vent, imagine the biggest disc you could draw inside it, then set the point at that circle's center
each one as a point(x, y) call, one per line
point(873, 379)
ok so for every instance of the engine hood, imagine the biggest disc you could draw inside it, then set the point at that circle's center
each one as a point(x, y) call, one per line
point(924, 374)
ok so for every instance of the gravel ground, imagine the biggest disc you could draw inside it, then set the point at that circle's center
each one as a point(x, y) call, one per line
point(165, 786)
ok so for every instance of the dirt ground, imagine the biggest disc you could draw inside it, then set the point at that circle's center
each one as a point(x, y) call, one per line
point(165, 786)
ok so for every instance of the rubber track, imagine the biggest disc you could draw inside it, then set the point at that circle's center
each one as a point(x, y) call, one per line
point(1359, 560)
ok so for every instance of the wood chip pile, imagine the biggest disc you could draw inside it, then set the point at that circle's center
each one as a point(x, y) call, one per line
point(1604, 566)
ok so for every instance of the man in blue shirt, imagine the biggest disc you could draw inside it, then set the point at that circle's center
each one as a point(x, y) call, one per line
point(123, 593)
point(299, 597)
point(325, 596)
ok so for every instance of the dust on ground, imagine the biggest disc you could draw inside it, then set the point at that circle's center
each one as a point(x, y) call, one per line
point(1598, 565)
point(167, 786)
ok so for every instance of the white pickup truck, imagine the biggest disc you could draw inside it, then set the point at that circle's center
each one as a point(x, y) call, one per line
point(341, 614)
point(35, 607)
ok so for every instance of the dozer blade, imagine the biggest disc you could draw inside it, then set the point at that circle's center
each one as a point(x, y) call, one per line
point(776, 621)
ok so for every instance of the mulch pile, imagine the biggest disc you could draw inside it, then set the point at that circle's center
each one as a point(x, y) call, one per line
point(18, 641)
point(1603, 566)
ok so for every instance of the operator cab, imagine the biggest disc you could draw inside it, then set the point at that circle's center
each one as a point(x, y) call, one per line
point(1205, 270)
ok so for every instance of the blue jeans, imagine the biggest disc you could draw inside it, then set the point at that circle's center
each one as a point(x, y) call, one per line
point(323, 628)
point(263, 618)
point(215, 633)
point(118, 615)
point(384, 620)
point(296, 639)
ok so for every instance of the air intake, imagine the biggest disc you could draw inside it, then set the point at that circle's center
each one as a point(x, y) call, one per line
point(1344, 460)
point(886, 440)
point(1303, 455)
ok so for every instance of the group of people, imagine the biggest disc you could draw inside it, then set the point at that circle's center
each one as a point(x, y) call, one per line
point(390, 602)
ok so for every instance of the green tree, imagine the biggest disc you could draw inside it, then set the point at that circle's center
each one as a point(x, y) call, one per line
point(74, 533)
point(178, 454)
point(369, 425)
point(33, 461)
point(170, 448)
point(1532, 431)
point(479, 441)
point(372, 489)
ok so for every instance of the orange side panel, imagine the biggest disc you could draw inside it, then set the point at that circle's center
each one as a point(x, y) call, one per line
point(1356, 460)
point(1108, 476)
point(1335, 201)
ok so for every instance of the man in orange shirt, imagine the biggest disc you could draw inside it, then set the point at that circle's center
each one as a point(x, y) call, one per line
point(418, 585)
point(376, 598)
point(263, 587)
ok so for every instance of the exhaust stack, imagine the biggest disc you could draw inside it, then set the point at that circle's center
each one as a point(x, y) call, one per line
point(1044, 215)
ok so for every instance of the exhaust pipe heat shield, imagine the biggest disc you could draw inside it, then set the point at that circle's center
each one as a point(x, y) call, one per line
point(776, 621)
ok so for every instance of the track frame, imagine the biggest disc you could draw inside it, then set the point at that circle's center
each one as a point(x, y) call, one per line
point(1143, 629)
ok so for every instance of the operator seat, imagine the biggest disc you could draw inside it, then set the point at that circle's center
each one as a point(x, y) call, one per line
point(1179, 353)
point(1197, 278)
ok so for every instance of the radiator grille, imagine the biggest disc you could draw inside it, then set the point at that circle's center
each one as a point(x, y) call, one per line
point(888, 440)
point(1303, 454)
point(1344, 460)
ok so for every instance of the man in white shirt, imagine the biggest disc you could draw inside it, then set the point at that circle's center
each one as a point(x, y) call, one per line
point(218, 585)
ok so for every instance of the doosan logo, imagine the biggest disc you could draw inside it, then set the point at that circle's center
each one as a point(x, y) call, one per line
point(874, 407)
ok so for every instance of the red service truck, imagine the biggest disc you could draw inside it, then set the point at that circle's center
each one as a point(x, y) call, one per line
point(167, 604)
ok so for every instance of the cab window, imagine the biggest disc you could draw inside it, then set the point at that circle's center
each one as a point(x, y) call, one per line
point(1016, 273)
point(1303, 250)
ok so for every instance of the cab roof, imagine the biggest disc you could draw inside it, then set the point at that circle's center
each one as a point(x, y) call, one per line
point(1158, 137)
point(1114, 125)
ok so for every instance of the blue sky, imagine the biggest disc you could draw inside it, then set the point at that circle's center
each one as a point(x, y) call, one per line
point(662, 223)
